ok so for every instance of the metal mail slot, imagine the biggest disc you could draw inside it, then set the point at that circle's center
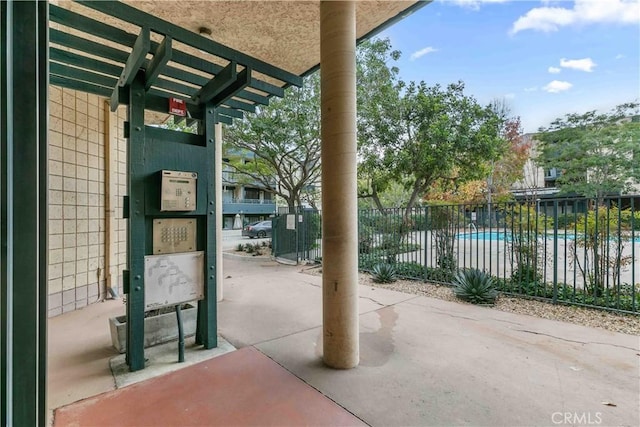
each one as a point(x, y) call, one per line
point(173, 279)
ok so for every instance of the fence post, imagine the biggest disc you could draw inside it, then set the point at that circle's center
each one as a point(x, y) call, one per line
point(555, 251)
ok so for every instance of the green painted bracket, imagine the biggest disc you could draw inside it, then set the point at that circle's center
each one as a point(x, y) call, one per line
point(136, 59)
point(217, 85)
point(158, 63)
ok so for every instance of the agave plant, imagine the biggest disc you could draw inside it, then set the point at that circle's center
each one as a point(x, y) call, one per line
point(383, 273)
point(475, 286)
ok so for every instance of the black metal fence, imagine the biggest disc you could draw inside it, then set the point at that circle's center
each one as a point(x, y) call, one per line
point(297, 236)
point(575, 250)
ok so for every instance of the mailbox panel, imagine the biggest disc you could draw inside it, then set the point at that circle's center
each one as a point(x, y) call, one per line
point(173, 279)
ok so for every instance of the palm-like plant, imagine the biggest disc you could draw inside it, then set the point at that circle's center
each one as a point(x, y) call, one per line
point(383, 273)
point(475, 286)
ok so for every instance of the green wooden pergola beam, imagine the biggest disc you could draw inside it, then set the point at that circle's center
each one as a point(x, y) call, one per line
point(215, 86)
point(135, 16)
point(241, 81)
point(63, 70)
point(116, 35)
point(81, 61)
point(137, 57)
point(159, 62)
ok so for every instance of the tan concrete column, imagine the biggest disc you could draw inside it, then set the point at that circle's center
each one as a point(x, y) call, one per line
point(339, 191)
point(218, 183)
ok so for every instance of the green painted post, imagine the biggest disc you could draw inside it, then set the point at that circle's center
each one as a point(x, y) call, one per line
point(137, 240)
point(23, 132)
point(207, 333)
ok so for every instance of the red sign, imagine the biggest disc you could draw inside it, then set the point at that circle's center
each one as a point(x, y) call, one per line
point(177, 107)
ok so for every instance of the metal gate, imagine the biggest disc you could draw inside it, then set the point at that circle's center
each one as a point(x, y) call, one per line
point(296, 236)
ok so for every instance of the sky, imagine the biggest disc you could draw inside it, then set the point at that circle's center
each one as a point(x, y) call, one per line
point(544, 58)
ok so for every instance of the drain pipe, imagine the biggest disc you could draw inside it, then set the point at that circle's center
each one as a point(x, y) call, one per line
point(109, 217)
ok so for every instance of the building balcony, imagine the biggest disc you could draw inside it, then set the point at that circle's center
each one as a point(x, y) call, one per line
point(248, 206)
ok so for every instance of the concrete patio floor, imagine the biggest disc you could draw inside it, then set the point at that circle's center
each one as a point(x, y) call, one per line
point(423, 361)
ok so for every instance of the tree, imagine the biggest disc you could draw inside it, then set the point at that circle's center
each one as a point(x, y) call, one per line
point(445, 136)
point(378, 96)
point(595, 154)
point(284, 139)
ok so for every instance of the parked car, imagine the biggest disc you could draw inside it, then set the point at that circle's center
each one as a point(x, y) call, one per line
point(257, 229)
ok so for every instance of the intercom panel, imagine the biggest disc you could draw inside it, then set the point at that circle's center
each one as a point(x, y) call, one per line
point(171, 235)
point(178, 191)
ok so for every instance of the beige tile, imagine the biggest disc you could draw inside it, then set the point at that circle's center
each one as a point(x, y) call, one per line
point(69, 170)
point(55, 241)
point(55, 226)
point(55, 271)
point(55, 153)
point(81, 132)
point(69, 226)
point(69, 184)
point(55, 256)
point(82, 252)
point(68, 113)
point(81, 159)
point(81, 265)
point(69, 212)
point(70, 197)
point(55, 212)
point(55, 167)
point(82, 239)
point(54, 286)
point(82, 172)
point(82, 146)
point(55, 183)
point(69, 255)
point(69, 156)
point(55, 197)
point(82, 186)
point(83, 225)
point(55, 94)
point(68, 282)
point(55, 124)
point(55, 139)
point(68, 128)
point(69, 240)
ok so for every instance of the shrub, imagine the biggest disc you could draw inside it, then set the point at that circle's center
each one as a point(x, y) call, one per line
point(475, 286)
point(441, 275)
point(383, 273)
point(240, 247)
point(409, 269)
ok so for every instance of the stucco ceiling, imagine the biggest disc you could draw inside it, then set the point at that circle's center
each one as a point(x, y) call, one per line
point(283, 33)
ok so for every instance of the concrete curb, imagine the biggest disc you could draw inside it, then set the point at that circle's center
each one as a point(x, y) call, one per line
point(229, 255)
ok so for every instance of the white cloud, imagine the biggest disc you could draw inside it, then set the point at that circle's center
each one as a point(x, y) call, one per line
point(549, 19)
point(422, 52)
point(473, 4)
point(557, 86)
point(554, 70)
point(531, 89)
point(585, 64)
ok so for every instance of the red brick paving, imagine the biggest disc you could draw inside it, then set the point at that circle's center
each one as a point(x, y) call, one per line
point(241, 388)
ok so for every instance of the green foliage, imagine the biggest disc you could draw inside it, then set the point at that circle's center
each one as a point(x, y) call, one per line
point(596, 154)
point(383, 273)
point(284, 141)
point(240, 247)
point(598, 248)
point(475, 286)
point(411, 270)
point(445, 224)
point(439, 275)
point(526, 239)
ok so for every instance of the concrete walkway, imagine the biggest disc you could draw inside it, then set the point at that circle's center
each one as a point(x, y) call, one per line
point(423, 361)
